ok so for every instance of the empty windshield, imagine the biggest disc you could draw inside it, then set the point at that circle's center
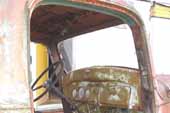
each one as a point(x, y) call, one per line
point(112, 46)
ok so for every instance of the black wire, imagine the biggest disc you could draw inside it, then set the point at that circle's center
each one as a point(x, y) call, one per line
point(38, 87)
point(48, 83)
point(42, 74)
point(40, 96)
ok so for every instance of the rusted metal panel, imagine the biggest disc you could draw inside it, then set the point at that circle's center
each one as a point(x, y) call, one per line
point(107, 86)
point(15, 94)
point(125, 7)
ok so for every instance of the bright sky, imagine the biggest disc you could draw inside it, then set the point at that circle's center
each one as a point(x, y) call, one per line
point(111, 46)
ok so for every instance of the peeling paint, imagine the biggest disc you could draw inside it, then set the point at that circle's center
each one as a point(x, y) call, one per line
point(14, 90)
point(117, 76)
point(74, 93)
point(104, 86)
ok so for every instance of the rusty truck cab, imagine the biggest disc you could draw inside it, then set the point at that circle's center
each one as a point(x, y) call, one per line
point(96, 88)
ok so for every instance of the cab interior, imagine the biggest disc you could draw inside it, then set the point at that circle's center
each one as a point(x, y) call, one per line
point(51, 24)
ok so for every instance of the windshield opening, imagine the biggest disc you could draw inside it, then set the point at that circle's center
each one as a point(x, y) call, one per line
point(113, 46)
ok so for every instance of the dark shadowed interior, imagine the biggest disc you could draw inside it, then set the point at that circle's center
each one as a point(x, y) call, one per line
point(56, 23)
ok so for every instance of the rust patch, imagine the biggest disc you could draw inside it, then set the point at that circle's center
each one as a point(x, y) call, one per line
point(106, 86)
